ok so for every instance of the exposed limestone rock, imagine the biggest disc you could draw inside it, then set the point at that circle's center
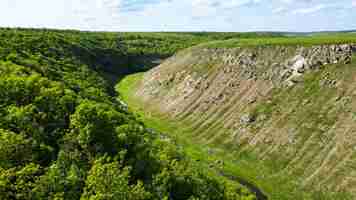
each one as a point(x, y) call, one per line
point(299, 64)
point(282, 68)
point(252, 100)
point(247, 119)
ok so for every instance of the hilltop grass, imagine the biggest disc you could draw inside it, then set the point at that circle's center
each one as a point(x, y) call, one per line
point(345, 38)
point(167, 43)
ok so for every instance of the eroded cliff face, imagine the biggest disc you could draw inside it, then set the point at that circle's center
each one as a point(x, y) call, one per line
point(293, 105)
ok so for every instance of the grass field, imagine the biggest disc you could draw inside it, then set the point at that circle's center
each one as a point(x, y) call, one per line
point(345, 38)
point(168, 43)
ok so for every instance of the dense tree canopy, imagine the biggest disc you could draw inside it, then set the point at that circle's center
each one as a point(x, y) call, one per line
point(63, 136)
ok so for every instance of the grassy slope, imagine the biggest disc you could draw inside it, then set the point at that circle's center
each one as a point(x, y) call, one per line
point(194, 149)
point(182, 133)
point(246, 166)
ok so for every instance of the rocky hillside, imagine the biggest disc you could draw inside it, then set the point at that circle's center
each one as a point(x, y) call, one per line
point(294, 106)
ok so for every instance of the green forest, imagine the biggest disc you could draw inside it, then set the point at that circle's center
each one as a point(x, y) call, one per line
point(65, 134)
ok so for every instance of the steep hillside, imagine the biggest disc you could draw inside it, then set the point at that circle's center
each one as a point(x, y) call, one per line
point(291, 106)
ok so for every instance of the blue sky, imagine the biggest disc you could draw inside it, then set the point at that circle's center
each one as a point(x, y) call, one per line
point(181, 15)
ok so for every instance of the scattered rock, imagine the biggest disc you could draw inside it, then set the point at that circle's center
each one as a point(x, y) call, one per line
point(219, 162)
point(338, 98)
point(252, 100)
point(299, 63)
point(326, 81)
point(306, 102)
point(331, 83)
point(211, 151)
point(247, 119)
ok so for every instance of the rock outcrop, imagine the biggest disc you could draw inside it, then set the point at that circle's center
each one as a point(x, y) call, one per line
point(189, 73)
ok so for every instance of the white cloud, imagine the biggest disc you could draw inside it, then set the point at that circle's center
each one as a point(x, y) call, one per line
point(353, 3)
point(310, 10)
point(279, 10)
